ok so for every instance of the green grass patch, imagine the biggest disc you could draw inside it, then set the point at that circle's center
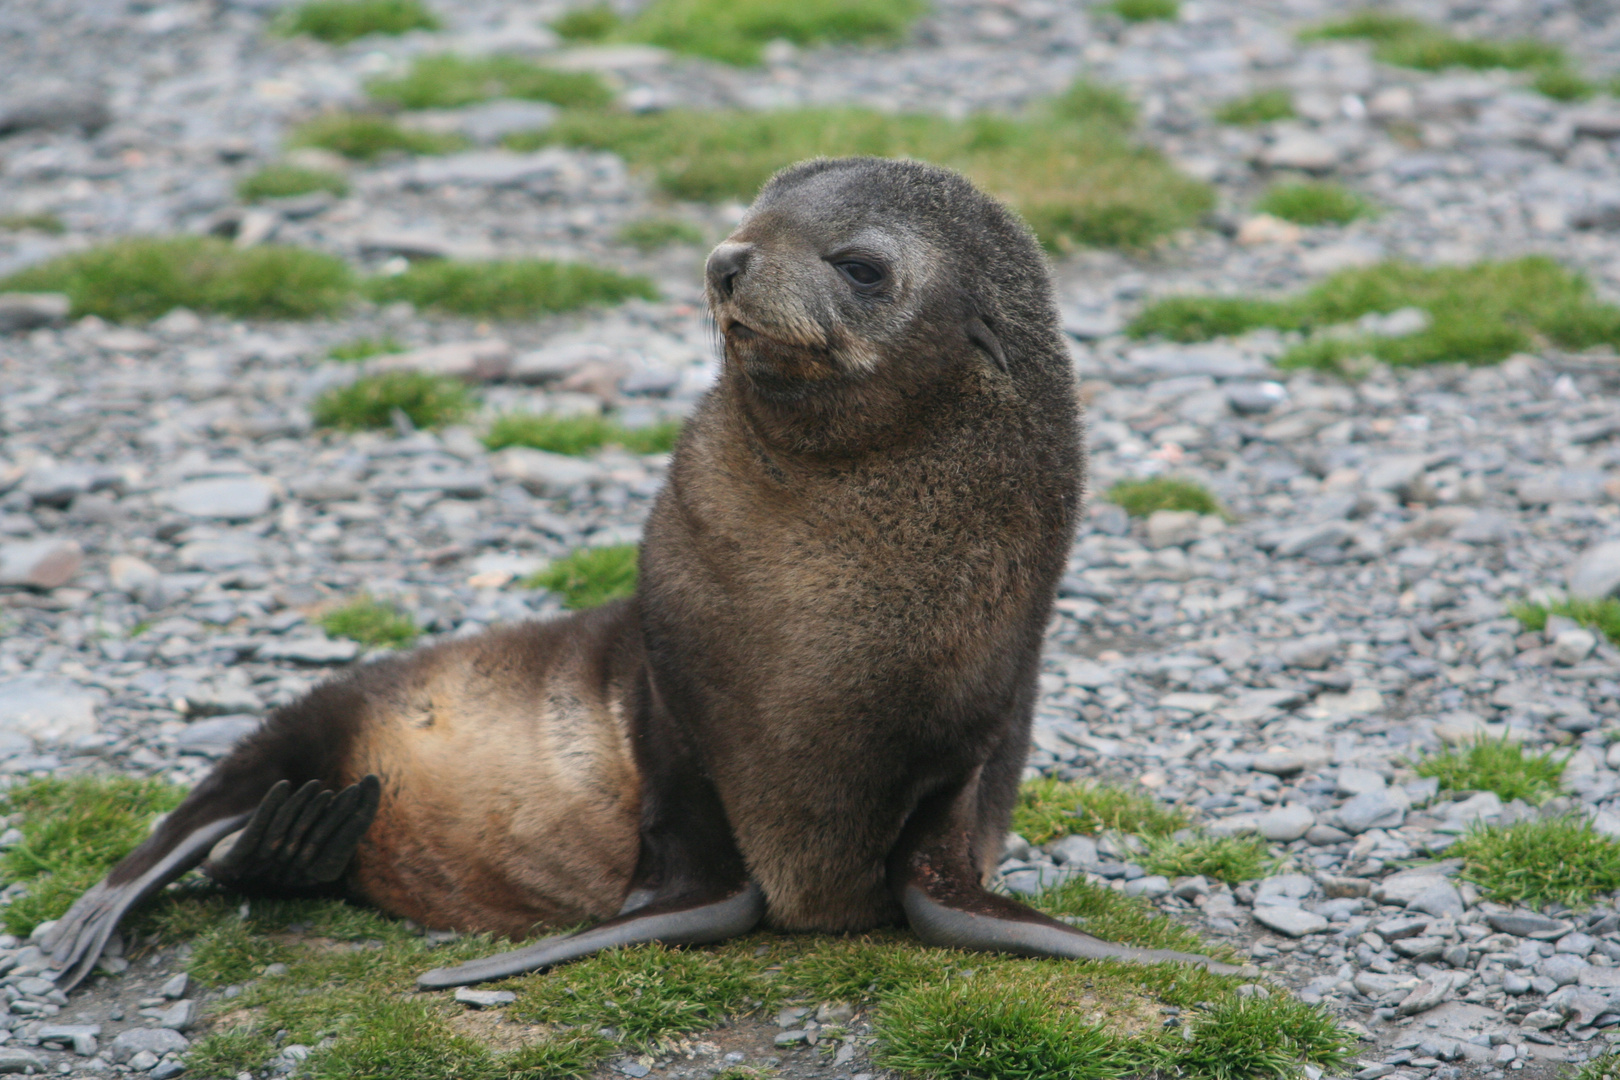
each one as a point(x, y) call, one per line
point(586, 24)
point(364, 349)
point(1261, 107)
point(348, 991)
point(371, 622)
point(1562, 860)
point(283, 181)
point(368, 136)
point(1225, 858)
point(72, 831)
point(1563, 84)
point(511, 289)
point(1314, 203)
point(1413, 43)
point(45, 223)
point(579, 434)
point(1498, 765)
point(1480, 314)
point(650, 234)
point(735, 31)
point(1068, 166)
point(1144, 10)
point(448, 81)
point(1601, 615)
point(145, 277)
point(1049, 809)
point(342, 21)
point(590, 577)
point(429, 401)
point(1606, 1066)
point(1139, 498)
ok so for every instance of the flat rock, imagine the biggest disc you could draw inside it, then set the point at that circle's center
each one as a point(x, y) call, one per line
point(543, 473)
point(1595, 574)
point(1373, 810)
point(481, 360)
point(1526, 924)
point(1408, 885)
point(30, 311)
point(484, 999)
point(309, 650)
point(226, 498)
point(1150, 363)
point(225, 553)
point(1080, 850)
point(1427, 994)
point(1286, 823)
point(48, 708)
point(158, 1041)
point(216, 736)
point(1354, 781)
point(83, 109)
point(1291, 922)
point(48, 563)
point(1440, 900)
point(14, 1059)
point(1563, 485)
point(1298, 149)
point(1313, 651)
point(1561, 968)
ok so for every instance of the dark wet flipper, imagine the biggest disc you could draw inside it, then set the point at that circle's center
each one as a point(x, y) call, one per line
point(75, 943)
point(326, 852)
point(669, 923)
point(228, 863)
point(307, 838)
point(990, 923)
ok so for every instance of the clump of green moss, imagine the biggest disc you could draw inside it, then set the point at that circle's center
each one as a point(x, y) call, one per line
point(1601, 615)
point(283, 181)
point(45, 223)
point(371, 622)
point(1558, 860)
point(579, 434)
point(368, 136)
point(1225, 858)
point(1261, 107)
point(1314, 203)
point(342, 21)
point(1499, 765)
point(145, 277)
point(1139, 498)
point(448, 81)
point(595, 23)
point(590, 577)
point(364, 348)
point(1479, 314)
point(735, 31)
point(429, 401)
point(1049, 809)
point(1144, 10)
point(513, 289)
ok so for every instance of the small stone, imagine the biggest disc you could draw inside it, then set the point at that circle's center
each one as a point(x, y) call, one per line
point(1079, 850)
point(1152, 886)
point(1266, 229)
point(633, 1068)
point(484, 999)
point(1525, 924)
point(1576, 944)
point(1514, 983)
point(1300, 149)
point(48, 708)
point(1541, 1020)
point(166, 1070)
point(176, 986)
point(1326, 835)
point(1337, 888)
point(1373, 810)
point(1255, 398)
point(213, 738)
point(1441, 900)
point(481, 360)
point(30, 311)
point(49, 563)
point(129, 574)
point(1419, 948)
point(143, 1060)
point(1406, 886)
point(158, 1041)
point(1292, 922)
point(228, 498)
point(1312, 651)
point(792, 1038)
point(14, 1059)
point(1561, 968)
point(1572, 646)
point(1172, 528)
point(82, 1037)
point(178, 1016)
point(1353, 781)
point(543, 473)
point(309, 650)
point(1427, 994)
point(84, 109)
point(1595, 575)
point(1286, 823)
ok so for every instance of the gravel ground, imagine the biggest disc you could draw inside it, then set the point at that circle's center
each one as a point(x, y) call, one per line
point(1274, 674)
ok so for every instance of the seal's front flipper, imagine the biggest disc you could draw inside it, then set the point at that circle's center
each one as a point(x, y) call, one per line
point(74, 944)
point(297, 839)
point(985, 922)
point(692, 922)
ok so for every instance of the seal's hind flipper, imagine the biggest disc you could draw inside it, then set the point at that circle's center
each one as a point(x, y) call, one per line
point(297, 839)
point(74, 944)
point(672, 923)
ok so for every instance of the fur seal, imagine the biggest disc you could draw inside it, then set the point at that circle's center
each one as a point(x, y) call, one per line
point(815, 711)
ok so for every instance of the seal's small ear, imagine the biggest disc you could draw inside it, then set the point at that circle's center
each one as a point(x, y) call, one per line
point(979, 332)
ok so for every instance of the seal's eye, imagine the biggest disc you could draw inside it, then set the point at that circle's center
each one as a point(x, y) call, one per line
point(860, 272)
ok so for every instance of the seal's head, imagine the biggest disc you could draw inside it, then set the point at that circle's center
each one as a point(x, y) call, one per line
point(851, 272)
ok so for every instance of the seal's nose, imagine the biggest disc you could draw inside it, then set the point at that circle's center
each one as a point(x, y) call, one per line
point(726, 265)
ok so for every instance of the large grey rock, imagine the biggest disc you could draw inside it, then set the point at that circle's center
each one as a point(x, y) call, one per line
point(1286, 823)
point(158, 1041)
point(1526, 924)
point(309, 650)
point(229, 498)
point(1595, 574)
point(1292, 922)
point(1562, 968)
point(48, 708)
point(1406, 886)
point(48, 563)
point(1373, 810)
point(14, 1059)
point(30, 311)
point(1080, 850)
point(84, 109)
point(1428, 993)
point(1441, 900)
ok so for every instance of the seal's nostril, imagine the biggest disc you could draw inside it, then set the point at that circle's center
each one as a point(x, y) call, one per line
point(726, 265)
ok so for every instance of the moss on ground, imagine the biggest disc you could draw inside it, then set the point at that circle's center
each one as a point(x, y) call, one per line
point(587, 23)
point(363, 349)
point(650, 234)
point(1261, 107)
point(371, 622)
point(1141, 497)
point(579, 434)
point(1557, 860)
point(1314, 203)
point(736, 31)
point(1068, 165)
point(369, 136)
point(1049, 809)
point(1221, 858)
point(45, 223)
point(1144, 10)
point(342, 21)
point(145, 277)
point(590, 577)
point(348, 988)
point(448, 81)
point(1479, 314)
point(1499, 765)
point(512, 289)
point(281, 181)
point(429, 401)
point(1601, 615)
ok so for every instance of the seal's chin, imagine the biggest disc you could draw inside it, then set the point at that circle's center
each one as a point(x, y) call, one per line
point(776, 368)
